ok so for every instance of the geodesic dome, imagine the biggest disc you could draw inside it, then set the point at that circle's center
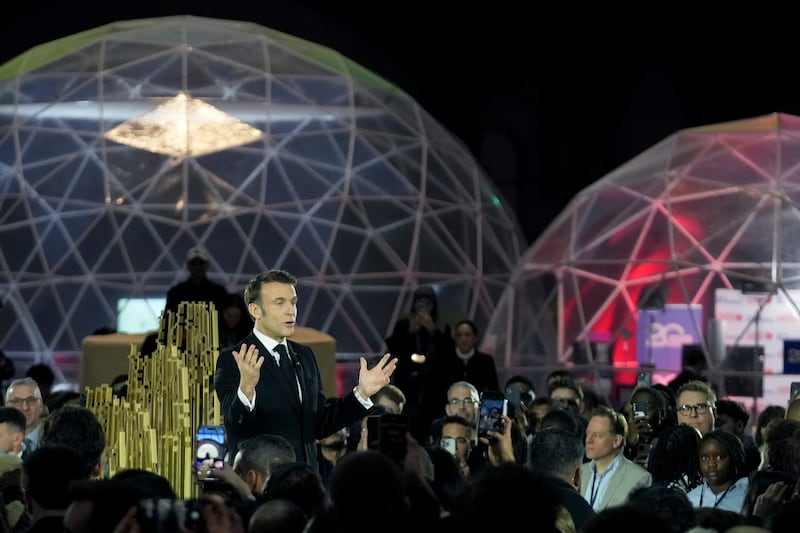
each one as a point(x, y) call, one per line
point(707, 214)
point(124, 146)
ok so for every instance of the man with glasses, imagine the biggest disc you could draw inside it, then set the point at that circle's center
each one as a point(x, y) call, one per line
point(696, 405)
point(24, 395)
point(462, 401)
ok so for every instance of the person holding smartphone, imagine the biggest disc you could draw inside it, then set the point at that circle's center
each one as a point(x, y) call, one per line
point(273, 385)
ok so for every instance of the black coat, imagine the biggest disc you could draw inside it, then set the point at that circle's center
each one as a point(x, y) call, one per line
point(278, 410)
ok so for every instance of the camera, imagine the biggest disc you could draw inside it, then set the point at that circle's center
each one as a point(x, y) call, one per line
point(387, 433)
point(165, 515)
point(490, 418)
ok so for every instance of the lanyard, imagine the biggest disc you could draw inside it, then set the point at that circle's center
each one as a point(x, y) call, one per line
point(717, 501)
point(593, 491)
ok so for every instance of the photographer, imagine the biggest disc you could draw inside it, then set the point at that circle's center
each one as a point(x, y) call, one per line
point(647, 417)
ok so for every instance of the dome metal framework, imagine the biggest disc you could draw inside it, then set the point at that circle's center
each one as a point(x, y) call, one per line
point(124, 146)
point(713, 207)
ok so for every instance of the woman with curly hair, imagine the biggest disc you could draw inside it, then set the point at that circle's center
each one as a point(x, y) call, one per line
point(722, 464)
point(675, 458)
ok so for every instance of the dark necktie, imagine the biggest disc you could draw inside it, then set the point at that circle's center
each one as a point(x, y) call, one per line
point(287, 367)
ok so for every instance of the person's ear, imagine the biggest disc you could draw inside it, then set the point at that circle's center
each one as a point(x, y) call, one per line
point(576, 478)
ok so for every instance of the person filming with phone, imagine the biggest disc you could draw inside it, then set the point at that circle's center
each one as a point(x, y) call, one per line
point(272, 385)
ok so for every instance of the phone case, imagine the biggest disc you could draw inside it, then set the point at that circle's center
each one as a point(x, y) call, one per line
point(493, 405)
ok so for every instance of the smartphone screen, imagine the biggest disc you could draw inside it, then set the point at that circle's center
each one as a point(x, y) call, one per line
point(493, 406)
point(210, 449)
point(639, 410)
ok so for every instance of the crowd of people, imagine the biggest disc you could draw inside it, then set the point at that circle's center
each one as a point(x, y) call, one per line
point(401, 450)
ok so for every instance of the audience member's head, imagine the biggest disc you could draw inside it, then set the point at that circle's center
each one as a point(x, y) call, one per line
point(508, 486)
point(24, 394)
point(77, 428)
point(44, 377)
point(669, 504)
point(448, 482)
point(777, 429)
point(151, 484)
point(257, 457)
point(563, 419)
point(769, 413)
point(557, 452)
point(675, 458)
point(390, 396)
point(12, 430)
point(696, 402)
point(717, 444)
point(731, 417)
point(48, 473)
point(367, 488)
point(627, 518)
point(567, 392)
point(537, 410)
point(299, 483)
point(715, 519)
point(98, 505)
point(278, 516)
point(784, 453)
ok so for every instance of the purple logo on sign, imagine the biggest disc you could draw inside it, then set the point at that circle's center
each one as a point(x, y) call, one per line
point(660, 335)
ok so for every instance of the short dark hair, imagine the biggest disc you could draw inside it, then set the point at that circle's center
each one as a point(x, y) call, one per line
point(78, 428)
point(49, 473)
point(252, 293)
point(555, 450)
point(13, 417)
point(733, 409)
point(42, 373)
point(264, 453)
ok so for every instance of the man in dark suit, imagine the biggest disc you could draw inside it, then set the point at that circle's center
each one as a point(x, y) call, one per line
point(559, 453)
point(265, 391)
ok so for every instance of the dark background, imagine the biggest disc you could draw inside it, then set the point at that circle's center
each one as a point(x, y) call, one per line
point(548, 97)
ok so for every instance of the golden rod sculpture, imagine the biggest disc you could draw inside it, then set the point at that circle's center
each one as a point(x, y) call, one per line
point(169, 396)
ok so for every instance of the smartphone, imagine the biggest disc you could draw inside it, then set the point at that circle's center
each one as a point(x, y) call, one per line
point(644, 379)
point(210, 450)
point(449, 444)
point(643, 449)
point(639, 410)
point(514, 397)
point(493, 405)
point(794, 390)
point(387, 434)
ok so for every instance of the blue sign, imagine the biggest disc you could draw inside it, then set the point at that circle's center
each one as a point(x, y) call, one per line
point(661, 334)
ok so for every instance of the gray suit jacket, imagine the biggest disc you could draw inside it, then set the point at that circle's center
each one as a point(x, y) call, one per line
point(626, 478)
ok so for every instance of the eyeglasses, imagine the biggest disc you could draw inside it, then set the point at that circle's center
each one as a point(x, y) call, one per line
point(30, 402)
point(465, 402)
point(698, 408)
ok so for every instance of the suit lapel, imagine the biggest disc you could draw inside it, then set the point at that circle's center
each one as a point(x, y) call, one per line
point(275, 377)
